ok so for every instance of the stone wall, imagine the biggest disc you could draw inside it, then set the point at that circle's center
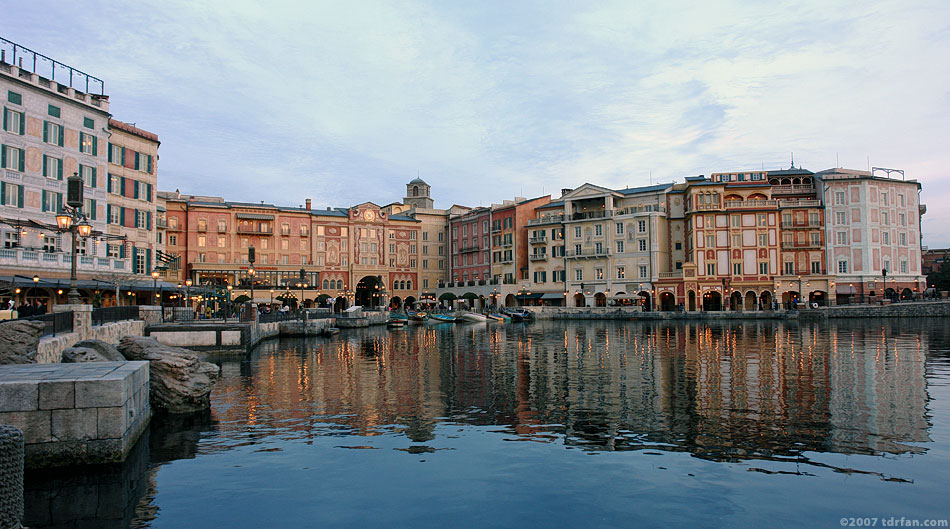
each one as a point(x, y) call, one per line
point(634, 313)
point(202, 336)
point(76, 413)
point(50, 349)
point(920, 309)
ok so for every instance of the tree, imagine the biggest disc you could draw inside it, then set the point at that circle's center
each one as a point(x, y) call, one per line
point(941, 278)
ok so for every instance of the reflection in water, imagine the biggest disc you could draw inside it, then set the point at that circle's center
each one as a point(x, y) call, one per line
point(763, 393)
point(721, 392)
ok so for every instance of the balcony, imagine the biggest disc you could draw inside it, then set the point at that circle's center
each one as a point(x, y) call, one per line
point(791, 225)
point(505, 260)
point(676, 274)
point(586, 215)
point(591, 253)
point(750, 204)
point(548, 219)
point(496, 229)
point(633, 210)
point(791, 245)
point(782, 203)
point(467, 249)
point(538, 257)
point(255, 230)
point(505, 244)
point(538, 240)
point(60, 261)
point(794, 189)
point(161, 223)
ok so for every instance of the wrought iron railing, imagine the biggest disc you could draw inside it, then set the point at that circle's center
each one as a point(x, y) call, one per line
point(55, 323)
point(104, 315)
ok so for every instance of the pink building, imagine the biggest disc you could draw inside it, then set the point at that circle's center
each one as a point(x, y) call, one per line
point(470, 246)
point(872, 225)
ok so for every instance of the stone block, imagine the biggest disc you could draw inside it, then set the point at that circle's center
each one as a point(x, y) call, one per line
point(230, 337)
point(101, 393)
point(111, 422)
point(18, 396)
point(57, 395)
point(74, 424)
point(35, 424)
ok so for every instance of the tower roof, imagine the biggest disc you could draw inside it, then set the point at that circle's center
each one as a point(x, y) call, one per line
point(417, 181)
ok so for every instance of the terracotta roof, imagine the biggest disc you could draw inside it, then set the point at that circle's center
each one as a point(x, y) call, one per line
point(121, 125)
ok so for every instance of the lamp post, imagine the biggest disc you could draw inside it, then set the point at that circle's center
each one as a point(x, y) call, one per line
point(71, 219)
point(188, 291)
point(884, 283)
point(271, 298)
point(800, 289)
point(227, 308)
point(251, 257)
point(154, 283)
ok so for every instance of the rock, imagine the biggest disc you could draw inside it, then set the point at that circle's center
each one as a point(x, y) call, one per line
point(18, 341)
point(92, 351)
point(179, 382)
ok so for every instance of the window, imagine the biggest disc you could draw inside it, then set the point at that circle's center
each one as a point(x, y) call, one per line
point(710, 269)
point(303, 245)
point(619, 246)
point(13, 121)
point(887, 265)
point(621, 272)
point(763, 239)
point(112, 250)
point(264, 243)
point(901, 199)
point(903, 240)
point(12, 194)
point(12, 158)
point(53, 111)
point(577, 232)
point(842, 267)
point(619, 228)
point(173, 240)
point(598, 248)
point(53, 167)
point(841, 238)
point(763, 268)
point(886, 237)
point(710, 241)
point(816, 267)
point(88, 174)
point(598, 230)
point(114, 214)
point(599, 273)
point(52, 201)
point(14, 98)
point(140, 262)
point(841, 217)
point(642, 245)
point(735, 221)
point(222, 241)
point(222, 226)
point(885, 219)
point(813, 219)
point(577, 249)
point(89, 208)
point(202, 240)
point(678, 246)
point(816, 239)
point(736, 240)
point(737, 269)
point(903, 263)
point(884, 197)
point(87, 143)
point(244, 242)
point(89, 123)
point(141, 219)
point(578, 274)
point(902, 219)
point(789, 268)
point(643, 271)
point(839, 197)
point(762, 219)
point(202, 224)
point(115, 188)
point(641, 226)
point(412, 235)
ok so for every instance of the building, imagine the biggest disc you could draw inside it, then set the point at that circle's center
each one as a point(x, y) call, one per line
point(359, 255)
point(52, 130)
point(509, 250)
point(131, 212)
point(872, 233)
point(545, 234)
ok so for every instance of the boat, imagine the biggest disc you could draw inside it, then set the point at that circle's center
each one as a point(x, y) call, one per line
point(520, 314)
point(418, 316)
point(499, 317)
point(471, 316)
point(442, 318)
point(398, 316)
point(396, 324)
point(330, 331)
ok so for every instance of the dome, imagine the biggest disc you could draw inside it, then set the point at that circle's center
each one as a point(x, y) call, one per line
point(417, 181)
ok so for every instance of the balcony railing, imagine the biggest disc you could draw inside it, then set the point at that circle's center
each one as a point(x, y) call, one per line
point(799, 203)
point(633, 210)
point(587, 254)
point(809, 224)
point(466, 249)
point(548, 219)
point(792, 245)
point(255, 229)
point(750, 204)
point(671, 275)
point(538, 240)
point(538, 256)
point(792, 189)
point(505, 244)
point(60, 261)
point(161, 223)
point(505, 260)
point(584, 215)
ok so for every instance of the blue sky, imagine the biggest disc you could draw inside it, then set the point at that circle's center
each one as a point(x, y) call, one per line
point(345, 102)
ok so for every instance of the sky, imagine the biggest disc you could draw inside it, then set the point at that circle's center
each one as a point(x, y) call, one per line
point(345, 102)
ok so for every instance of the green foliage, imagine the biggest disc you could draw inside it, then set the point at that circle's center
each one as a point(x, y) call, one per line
point(940, 278)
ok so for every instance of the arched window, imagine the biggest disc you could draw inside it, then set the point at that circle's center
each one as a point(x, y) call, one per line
point(326, 284)
point(409, 285)
point(415, 191)
point(395, 284)
point(336, 285)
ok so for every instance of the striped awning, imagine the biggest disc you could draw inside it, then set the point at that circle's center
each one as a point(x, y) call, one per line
point(254, 216)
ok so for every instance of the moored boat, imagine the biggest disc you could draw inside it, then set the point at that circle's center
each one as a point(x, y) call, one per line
point(418, 316)
point(499, 318)
point(520, 314)
point(471, 316)
point(444, 318)
point(396, 324)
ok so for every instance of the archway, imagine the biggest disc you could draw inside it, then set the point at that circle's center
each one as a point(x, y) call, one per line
point(691, 301)
point(395, 303)
point(735, 301)
point(367, 291)
point(600, 299)
point(667, 301)
point(750, 300)
point(712, 301)
point(646, 302)
point(765, 299)
point(510, 300)
point(890, 294)
point(447, 298)
point(469, 298)
point(410, 302)
point(579, 300)
point(906, 294)
point(818, 296)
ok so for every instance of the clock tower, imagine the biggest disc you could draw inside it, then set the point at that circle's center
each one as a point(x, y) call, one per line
point(417, 195)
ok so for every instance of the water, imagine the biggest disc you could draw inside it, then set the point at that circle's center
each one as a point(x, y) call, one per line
point(558, 424)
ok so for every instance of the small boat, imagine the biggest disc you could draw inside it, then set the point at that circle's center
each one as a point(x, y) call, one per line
point(398, 316)
point(471, 316)
point(499, 318)
point(396, 324)
point(330, 331)
point(520, 314)
point(418, 316)
point(442, 318)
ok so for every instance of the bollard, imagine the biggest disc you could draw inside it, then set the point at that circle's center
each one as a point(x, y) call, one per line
point(11, 477)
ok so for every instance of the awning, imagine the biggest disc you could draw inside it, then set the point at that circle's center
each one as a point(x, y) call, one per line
point(469, 295)
point(533, 295)
point(448, 296)
point(254, 216)
point(552, 295)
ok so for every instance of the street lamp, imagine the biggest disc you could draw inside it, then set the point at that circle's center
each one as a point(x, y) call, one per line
point(188, 291)
point(154, 282)
point(227, 308)
point(251, 257)
point(71, 218)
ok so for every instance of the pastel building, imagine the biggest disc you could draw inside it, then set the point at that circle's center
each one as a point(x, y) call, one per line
point(509, 247)
point(873, 226)
point(545, 233)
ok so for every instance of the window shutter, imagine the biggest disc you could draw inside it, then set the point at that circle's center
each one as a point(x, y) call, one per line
point(123, 155)
point(149, 191)
point(43, 198)
point(109, 154)
point(108, 213)
point(148, 260)
point(45, 131)
point(149, 164)
point(122, 186)
point(121, 216)
point(135, 189)
point(92, 214)
point(122, 251)
point(59, 171)
point(94, 178)
point(45, 164)
point(19, 196)
point(22, 160)
point(3, 157)
point(95, 145)
point(135, 254)
point(108, 183)
point(136, 161)
point(5, 118)
point(22, 123)
point(61, 130)
point(148, 220)
point(3, 193)
point(59, 203)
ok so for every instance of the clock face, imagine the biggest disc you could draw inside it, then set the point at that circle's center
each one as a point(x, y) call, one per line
point(369, 215)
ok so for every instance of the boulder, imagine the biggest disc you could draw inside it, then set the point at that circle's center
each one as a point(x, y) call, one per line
point(18, 341)
point(179, 382)
point(92, 351)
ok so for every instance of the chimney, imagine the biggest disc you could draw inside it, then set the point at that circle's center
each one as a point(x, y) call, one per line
point(308, 204)
point(565, 190)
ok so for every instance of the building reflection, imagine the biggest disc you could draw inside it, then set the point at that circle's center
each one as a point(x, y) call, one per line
point(719, 391)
